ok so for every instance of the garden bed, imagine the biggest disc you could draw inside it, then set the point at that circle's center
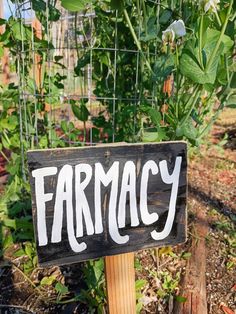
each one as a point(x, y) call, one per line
point(212, 184)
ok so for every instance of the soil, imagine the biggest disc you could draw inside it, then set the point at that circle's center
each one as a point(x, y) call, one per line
point(212, 188)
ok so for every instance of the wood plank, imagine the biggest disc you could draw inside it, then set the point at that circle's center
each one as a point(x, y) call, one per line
point(120, 283)
point(160, 196)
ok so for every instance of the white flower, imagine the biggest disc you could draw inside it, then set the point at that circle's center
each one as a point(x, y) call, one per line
point(178, 27)
point(168, 35)
point(211, 5)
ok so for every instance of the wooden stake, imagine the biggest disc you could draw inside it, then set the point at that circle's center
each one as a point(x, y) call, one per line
point(194, 281)
point(120, 280)
point(5, 58)
point(37, 59)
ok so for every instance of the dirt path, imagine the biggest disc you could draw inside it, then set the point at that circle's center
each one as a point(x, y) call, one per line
point(212, 185)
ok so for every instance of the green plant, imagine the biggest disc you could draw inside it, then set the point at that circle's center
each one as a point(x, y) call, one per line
point(139, 285)
point(169, 284)
point(28, 250)
point(170, 75)
point(182, 64)
point(94, 294)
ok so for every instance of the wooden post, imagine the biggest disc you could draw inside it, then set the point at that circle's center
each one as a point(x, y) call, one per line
point(120, 281)
point(37, 59)
point(193, 286)
point(5, 58)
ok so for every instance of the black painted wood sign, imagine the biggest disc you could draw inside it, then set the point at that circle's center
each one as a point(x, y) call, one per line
point(97, 201)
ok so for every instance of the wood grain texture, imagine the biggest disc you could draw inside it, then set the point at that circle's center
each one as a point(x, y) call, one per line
point(158, 198)
point(120, 283)
point(193, 285)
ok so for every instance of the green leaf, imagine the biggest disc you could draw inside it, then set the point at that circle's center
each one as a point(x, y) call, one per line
point(29, 250)
point(212, 36)
point(152, 30)
point(163, 67)
point(180, 299)
point(81, 63)
point(74, 5)
point(43, 142)
point(186, 255)
point(8, 241)
point(35, 260)
point(9, 123)
point(20, 31)
point(165, 16)
point(64, 126)
point(11, 223)
point(187, 130)
point(60, 288)
point(190, 67)
point(137, 264)
point(150, 137)
point(2, 21)
point(233, 81)
point(38, 5)
point(155, 116)
point(117, 4)
point(154, 135)
point(48, 281)
point(54, 13)
point(81, 112)
point(1, 51)
point(98, 268)
point(19, 253)
point(139, 307)
point(231, 101)
point(139, 284)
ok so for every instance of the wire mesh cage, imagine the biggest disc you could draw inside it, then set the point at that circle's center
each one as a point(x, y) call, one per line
point(80, 76)
point(95, 74)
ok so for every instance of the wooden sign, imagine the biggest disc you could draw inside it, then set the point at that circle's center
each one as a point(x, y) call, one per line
point(99, 201)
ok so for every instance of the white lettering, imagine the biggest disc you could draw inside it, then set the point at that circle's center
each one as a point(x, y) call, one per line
point(41, 199)
point(174, 180)
point(64, 193)
point(111, 176)
point(147, 218)
point(128, 185)
point(82, 206)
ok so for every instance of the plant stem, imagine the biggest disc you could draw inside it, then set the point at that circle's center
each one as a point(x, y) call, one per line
point(200, 41)
point(28, 279)
point(84, 131)
point(227, 68)
point(4, 156)
point(218, 19)
point(145, 16)
point(213, 119)
point(195, 98)
point(212, 57)
point(137, 42)
point(177, 80)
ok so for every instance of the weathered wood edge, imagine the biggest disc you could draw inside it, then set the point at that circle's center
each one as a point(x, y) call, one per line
point(72, 259)
point(101, 145)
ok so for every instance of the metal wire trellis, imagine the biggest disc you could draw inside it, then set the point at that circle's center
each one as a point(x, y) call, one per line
point(66, 44)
